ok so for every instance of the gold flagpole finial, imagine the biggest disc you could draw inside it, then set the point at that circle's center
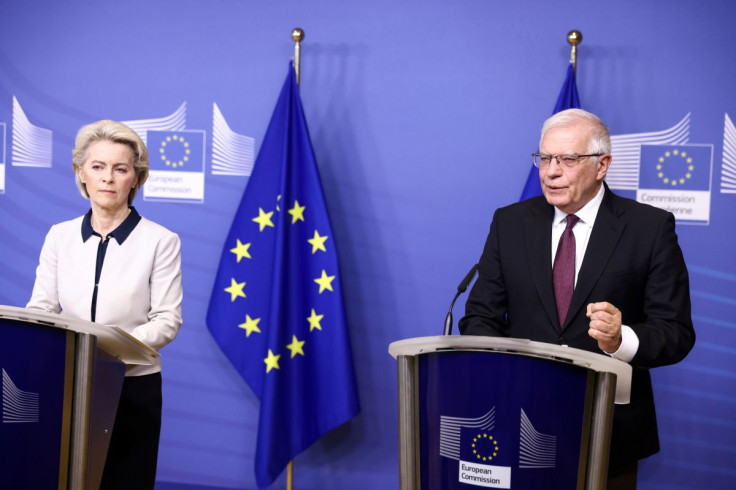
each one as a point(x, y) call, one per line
point(574, 38)
point(297, 35)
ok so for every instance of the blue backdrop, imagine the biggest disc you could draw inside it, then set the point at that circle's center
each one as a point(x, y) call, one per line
point(423, 115)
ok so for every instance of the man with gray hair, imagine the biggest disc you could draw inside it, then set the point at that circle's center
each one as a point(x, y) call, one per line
point(583, 267)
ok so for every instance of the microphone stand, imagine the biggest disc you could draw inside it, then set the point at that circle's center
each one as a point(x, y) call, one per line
point(460, 290)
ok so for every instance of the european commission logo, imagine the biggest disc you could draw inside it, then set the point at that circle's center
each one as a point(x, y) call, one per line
point(176, 165)
point(177, 155)
point(667, 171)
point(677, 178)
point(486, 455)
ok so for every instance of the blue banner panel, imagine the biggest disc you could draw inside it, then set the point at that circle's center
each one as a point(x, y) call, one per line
point(32, 361)
point(493, 420)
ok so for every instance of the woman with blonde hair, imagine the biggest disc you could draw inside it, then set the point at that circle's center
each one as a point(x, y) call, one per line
point(114, 267)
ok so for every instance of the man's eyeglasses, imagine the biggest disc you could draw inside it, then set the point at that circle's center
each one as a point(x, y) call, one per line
point(542, 160)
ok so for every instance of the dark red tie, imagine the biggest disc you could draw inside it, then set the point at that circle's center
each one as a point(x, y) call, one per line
point(563, 271)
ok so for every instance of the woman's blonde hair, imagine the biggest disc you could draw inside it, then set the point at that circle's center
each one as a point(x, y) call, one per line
point(115, 132)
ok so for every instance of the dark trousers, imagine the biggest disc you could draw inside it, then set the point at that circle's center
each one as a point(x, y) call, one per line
point(133, 453)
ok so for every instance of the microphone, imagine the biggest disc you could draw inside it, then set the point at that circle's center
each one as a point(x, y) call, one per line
point(460, 290)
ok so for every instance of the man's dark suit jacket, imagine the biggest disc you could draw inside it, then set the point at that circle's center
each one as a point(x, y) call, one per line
point(632, 261)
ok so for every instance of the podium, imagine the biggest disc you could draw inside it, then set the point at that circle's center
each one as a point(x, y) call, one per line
point(61, 382)
point(492, 412)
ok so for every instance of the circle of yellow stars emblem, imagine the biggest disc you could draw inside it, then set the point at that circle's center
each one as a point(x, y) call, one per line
point(485, 447)
point(252, 326)
point(680, 159)
point(175, 144)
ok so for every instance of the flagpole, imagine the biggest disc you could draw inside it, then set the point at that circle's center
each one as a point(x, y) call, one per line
point(297, 35)
point(574, 38)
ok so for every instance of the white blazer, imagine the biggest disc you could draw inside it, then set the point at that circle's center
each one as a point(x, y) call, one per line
point(140, 283)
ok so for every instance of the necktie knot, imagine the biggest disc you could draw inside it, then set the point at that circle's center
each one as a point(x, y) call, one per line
point(572, 220)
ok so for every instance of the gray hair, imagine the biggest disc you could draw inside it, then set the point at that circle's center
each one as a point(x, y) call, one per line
point(600, 139)
point(114, 132)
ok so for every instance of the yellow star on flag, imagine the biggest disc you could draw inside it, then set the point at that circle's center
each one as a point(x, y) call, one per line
point(272, 361)
point(297, 212)
point(235, 289)
point(241, 250)
point(325, 281)
point(314, 320)
point(318, 242)
point(250, 325)
point(296, 346)
point(263, 219)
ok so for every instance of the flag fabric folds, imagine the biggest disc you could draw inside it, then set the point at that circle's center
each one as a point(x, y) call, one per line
point(276, 309)
point(568, 99)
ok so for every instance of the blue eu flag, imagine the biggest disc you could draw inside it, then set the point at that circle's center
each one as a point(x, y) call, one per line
point(276, 309)
point(568, 99)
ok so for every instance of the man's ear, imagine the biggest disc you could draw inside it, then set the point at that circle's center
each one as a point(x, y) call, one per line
point(604, 161)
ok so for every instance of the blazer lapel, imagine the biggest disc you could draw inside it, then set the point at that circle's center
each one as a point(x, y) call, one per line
point(603, 240)
point(538, 238)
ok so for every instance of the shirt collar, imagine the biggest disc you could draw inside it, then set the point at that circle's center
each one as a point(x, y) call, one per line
point(587, 213)
point(120, 233)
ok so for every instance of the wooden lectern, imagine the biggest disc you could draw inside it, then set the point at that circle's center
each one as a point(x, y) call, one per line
point(491, 412)
point(61, 382)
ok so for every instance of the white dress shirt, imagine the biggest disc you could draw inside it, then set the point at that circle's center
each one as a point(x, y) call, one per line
point(139, 288)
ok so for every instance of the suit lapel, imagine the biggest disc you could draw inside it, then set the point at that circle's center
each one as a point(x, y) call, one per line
point(538, 237)
point(603, 240)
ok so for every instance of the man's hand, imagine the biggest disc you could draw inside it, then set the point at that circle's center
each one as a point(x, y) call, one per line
point(605, 326)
